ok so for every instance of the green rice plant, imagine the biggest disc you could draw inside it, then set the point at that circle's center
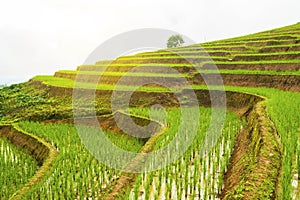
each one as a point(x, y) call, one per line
point(270, 54)
point(136, 74)
point(68, 83)
point(165, 52)
point(76, 174)
point(169, 57)
point(227, 71)
point(192, 171)
point(257, 42)
point(283, 45)
point(258, 37)
point(254, 62)
point(283, 108)
point(16, 168)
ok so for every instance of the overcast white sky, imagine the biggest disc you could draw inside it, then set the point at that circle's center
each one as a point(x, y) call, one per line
point(40, 37)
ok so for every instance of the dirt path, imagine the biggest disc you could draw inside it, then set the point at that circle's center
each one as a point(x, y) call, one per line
point(126, 180)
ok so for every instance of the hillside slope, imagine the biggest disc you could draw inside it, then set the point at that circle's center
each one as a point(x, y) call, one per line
point(261, 74)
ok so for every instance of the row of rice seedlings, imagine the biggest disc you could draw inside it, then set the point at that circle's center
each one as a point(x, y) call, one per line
point(276, 36)
point(243, 48)
point(169, 57)
point(217, 62)
point(193, 175)
point(95, 69)
point(291, 29)
point(255, 42)
point(16, 168)
point(278, 46)
point(202, 63)
point(261, 57)
point(138, 64)
point(69, 83)
point(242, 71)
point(286, 28)
point(259, 62)
point(138, 74)
point(184, 52)
point(108, 73)
point(76, 174)
point(271, 54)
point(226, 54)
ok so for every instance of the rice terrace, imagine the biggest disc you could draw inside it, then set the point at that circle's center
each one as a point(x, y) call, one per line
point(51, 147)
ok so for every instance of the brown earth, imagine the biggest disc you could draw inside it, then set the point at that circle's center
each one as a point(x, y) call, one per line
point(256, 160)
point(126, 180)
point(284, 82)
point(43, 152)
point(268, 42)
point(267, 57)
point(165, 60)
point(122, 80)
point(113, 122)
point(260, 152)
point(263, 67)
point(267, 37)
point(234, 100)
point(29, 144)
point(188, 69)
point(198, 53)
point(279, 49)
point(184, 68)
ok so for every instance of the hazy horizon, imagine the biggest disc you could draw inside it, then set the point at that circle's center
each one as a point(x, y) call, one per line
point(42, 37)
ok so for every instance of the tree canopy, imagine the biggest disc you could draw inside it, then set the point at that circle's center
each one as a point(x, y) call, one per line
point(175, 41)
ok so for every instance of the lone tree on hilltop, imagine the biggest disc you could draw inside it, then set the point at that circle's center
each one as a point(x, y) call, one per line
point(175, 41)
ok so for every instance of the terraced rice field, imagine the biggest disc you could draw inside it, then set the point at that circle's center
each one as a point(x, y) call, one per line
point(17, 167)
point(255, 156)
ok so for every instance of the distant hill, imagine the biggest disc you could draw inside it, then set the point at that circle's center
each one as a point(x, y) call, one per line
point(2, 86)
